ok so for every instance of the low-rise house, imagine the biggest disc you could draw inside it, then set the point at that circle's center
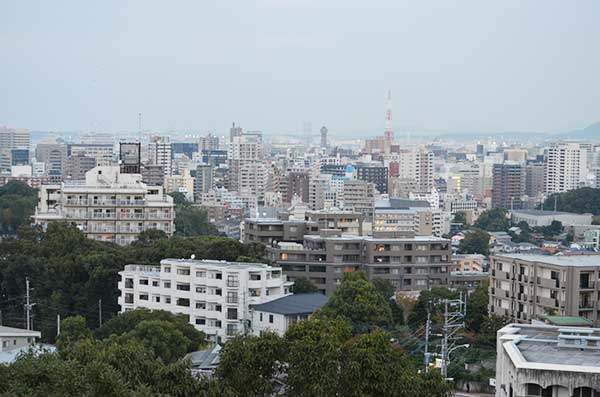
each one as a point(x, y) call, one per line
point(278, 315)
point(14, 341)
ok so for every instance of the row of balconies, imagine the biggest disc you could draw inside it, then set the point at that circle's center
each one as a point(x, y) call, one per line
point(115, 216)
point(93, 202)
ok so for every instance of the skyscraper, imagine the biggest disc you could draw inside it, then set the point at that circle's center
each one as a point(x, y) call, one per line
point(160, 153)
point(508, 186)
point(388, 133)
point(566, 167)
point(324, 144)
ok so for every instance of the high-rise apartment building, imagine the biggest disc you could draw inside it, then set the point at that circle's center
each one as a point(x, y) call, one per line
point(160, 153)
point(376, 175)
point(359, 196)
point(524, 287)
point(414, 172)
point(216, 296)
point(534, 179)
point(109, 206)
point(566, 167)
point(203, 181)
point(508, 186)
point(103, 153)
point(245, 149)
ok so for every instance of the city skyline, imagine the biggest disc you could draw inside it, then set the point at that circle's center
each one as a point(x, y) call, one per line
point(271, 65)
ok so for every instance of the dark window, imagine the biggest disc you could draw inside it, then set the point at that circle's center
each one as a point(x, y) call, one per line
point(271, 318)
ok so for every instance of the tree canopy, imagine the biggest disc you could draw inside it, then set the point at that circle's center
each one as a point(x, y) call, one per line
point(303, 285)
point(17, 205)
point(580, 201)
point(475, 242)
point(493, 220)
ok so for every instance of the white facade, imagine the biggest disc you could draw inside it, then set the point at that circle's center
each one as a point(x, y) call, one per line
point(160, 153)
point(545, 360)
point(536, 218)
point(566, 167)
point(14, 138)
point(16, 338)
point(216, 295)
point(108, 206)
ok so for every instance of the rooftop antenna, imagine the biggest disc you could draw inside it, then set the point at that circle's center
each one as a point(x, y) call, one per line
point(140, 126)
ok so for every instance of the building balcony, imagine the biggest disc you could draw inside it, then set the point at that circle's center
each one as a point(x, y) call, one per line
point(586, 305)
point(102, 203)
point(548, 282)
point(132, 216)
point(79, 203)
point(131, 203)
point(591, 285)
point(103, 215)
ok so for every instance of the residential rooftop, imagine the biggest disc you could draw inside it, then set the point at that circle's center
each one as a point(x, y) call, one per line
point(559, 260)
point(544, 212)
point(294, 304)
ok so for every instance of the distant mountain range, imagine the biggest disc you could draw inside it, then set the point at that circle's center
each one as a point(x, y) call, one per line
point(589, 132)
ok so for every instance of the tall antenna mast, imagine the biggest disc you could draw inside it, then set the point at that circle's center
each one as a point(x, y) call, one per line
point(140, 126)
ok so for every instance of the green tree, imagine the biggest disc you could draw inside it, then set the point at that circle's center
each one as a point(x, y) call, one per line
point(554, 229)
point(493, 220)
point(249, 364)
point(314, 356)
point(193, 221)
point(477, 307)
point(357, 301)
point(432, 301)
point(179, 198)
point(460, 217)
point(475, 242)
point(73, 329)
point(585, 200)
point(303, 285)
point(162, 337)
point(128, 322)
point(17, 205)
point(388, 292)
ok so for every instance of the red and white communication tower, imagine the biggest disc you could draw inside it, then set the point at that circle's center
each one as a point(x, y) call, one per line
point(388, 134)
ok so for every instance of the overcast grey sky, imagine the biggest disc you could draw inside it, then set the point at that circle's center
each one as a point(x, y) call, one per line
point(272, 64)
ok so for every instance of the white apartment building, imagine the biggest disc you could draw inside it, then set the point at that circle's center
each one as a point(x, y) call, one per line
point(245, 149)
point(215, 295)
point(183, 183)
point(107, 206)
point(545, 360)
point(160, 153)
point(566, 167)
point(103, 153)
point(415, 166)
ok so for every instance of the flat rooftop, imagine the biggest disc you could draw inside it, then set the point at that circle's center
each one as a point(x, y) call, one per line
point(530, 345)
point(217, 264)
point(559, 260)
point(544, 213)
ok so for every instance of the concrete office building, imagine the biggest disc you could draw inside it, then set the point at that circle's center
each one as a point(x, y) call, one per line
point(153, 174)
point(534, 179)
point(566, 167)
point(359, 196)
point(524, 287)
point(547, 360)
point(508, 186)
point(14, 138)
point(410, 264)
point(54, 157)
point(535, 218)
point(78, 165)
point(108, 206)
point(203, 180)
point(216, 296)
point(103, 153)
point(406, 218)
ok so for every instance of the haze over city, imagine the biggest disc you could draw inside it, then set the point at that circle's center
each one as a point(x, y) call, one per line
point(274, 64)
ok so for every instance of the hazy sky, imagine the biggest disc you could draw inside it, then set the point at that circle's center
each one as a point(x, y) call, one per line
point(272, 64)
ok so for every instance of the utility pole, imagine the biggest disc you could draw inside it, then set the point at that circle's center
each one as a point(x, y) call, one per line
point(58, 324)
point(453, 321)
point(427, 331)
point(28, 304)
point(100, 312)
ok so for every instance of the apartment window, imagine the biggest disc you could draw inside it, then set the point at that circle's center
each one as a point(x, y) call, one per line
point(232, 314)
point(422, 247)
point(201, 290)
point(232, 281)
point(317, 269)
point(143, 282)
point(200, 321)
point(157, 299)
point(201, 274)
point(256, 277)
point(128, 283)
point(183, 271)
point(183, 302)
point(167, 284)
point(155, 283)
point(271, 318)
point(218, 308)
point(143, 297)
point(218, 291)
point(167, 269)
point(421, 259)
point(183, 287)
point(201, 305)
point(261, 316)
point(128, 298)
point(168, 300)
point(232, 297)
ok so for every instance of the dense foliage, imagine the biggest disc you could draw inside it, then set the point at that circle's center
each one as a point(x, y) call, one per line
point(475, 242)
point(17, 205)
point(493, 220)
point(191, 221)
point(117, 366)
point(580, 201)
point(303, 285)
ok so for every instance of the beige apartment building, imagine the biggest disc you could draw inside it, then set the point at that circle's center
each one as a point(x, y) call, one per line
point(107, 206)
point(524, 287)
